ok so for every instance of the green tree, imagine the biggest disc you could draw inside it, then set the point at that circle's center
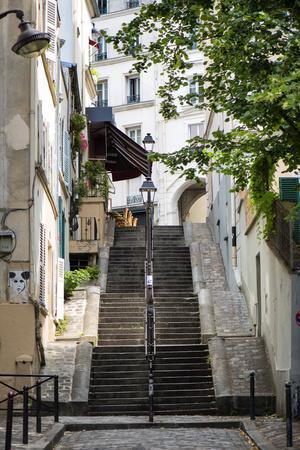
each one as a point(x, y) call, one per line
point(251, 49)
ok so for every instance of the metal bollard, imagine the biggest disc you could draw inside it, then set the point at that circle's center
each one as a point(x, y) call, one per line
point(289, 415)
point(38, 408)
point(252, 395)
point(56, 399)
point(25, 415)
point(9, 420)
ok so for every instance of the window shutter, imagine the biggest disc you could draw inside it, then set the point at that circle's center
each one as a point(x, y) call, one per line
point(41, 144)
point(51, 22)
point(67, 159)
point(60, 288)
point(289, 189)
point(42, 261)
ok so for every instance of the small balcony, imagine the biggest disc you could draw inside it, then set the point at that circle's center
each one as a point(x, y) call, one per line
point(132, 4)
point(111, 6)
point(101, 56)
point(102, 103)
point(285, 240)
point(87, 230)
point(133, 99)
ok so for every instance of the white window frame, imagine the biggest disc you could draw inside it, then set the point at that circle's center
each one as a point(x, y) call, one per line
point(199, 129)
point(137, 131)
point(104, 91)
point(133, 97)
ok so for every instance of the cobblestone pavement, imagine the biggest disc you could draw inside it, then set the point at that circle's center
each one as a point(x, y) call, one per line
point(274, 430)
point(155, 439)
point(17, 431)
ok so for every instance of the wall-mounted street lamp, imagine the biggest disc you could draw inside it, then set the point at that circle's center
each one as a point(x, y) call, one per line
point(31, 42)
point(148, 191)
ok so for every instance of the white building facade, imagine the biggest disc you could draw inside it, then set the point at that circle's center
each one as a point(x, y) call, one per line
point(136, 112)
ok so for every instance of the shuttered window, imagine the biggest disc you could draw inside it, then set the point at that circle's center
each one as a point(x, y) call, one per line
point(42, 263)
point(60, 289)
point(67, 160)
point(51, 22)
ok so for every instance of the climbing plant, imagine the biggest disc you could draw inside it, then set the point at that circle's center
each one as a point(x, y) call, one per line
point(77, 125)
point(252, 76)
point(94, 180)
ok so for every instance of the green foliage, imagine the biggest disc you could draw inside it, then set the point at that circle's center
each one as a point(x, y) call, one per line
point(73, 279)
point(93, 272)
point(252, 76)
point(94, 180)
point(77, 124)
point(61, 326)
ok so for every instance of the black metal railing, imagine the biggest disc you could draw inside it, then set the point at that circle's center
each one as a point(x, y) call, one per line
point(87, 230)
point(102, 103)
point(283, 237)
point(101, 56)
point(133, 99)
point(288, 408)
point(132, 4)
point(35, 409)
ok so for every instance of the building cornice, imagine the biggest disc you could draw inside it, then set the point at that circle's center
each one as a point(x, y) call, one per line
point(90, 83)
point(42, 177)
point(128, 106)
point(109, 61)
point(49, 79)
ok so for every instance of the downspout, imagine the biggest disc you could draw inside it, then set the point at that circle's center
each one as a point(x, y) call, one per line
point(32, 159)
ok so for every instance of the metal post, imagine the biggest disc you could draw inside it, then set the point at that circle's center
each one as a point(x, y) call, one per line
point(252, 395)
point(56, 399)
point(9, 420)
point(289, 415)
point(38, 408)
point(25, 415)
point(151, 391)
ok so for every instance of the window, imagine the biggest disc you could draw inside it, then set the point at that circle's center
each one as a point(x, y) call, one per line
point(132, 3)
point(195, 91)
point(102, 93)
point(102, 49)
point(103, 6)
point(196, 129)
point(42, 265)
point(134, 46)
point(134, 134)
point(133, 90)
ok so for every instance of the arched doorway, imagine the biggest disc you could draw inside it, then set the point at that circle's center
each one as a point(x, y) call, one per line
point(192, 204)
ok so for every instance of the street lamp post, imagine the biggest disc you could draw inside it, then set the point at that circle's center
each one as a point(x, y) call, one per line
point(31, 42)
point(148, 191)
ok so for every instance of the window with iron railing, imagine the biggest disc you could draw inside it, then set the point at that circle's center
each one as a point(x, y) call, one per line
point(102, 93)
point(110, 6)
point(133, 90)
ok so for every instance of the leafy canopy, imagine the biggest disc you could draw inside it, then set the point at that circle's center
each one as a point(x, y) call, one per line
point(252, 76)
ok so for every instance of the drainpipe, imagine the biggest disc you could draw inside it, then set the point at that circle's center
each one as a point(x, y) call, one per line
point(234, 241)
point(32, 148)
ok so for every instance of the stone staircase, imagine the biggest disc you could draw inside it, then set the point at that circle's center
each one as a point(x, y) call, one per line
point(119, 375)
point(183, 377)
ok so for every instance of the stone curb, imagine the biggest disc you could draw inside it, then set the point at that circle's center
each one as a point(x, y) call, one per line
point(50, 438)
point(256, 436)
point(206, 312)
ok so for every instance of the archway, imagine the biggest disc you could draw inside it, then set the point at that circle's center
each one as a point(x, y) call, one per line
point(192, 204)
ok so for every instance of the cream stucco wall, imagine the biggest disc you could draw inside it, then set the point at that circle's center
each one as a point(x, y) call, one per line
point(17, 338)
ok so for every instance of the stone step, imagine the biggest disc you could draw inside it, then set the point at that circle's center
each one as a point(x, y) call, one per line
point(118, 342)
point(181, 340)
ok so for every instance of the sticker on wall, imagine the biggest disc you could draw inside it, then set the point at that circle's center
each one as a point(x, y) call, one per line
point(18, 285)
point(298, 318)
